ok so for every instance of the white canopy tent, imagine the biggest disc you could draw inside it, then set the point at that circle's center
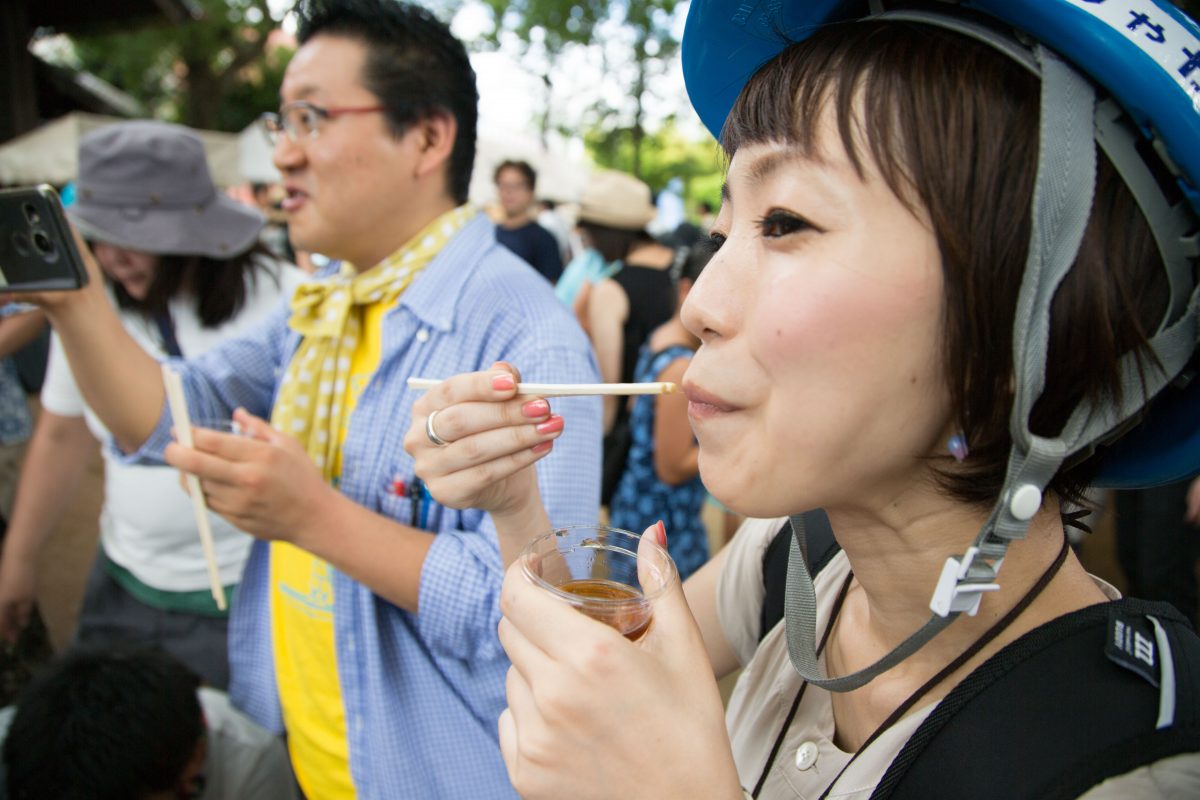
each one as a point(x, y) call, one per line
point(50, 154)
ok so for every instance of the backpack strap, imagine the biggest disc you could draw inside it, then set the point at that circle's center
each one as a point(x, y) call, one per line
point(821, 548)
point(1088, 696)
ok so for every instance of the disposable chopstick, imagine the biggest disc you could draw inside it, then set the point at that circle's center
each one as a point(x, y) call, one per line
point(183, 429)
point(569, 389)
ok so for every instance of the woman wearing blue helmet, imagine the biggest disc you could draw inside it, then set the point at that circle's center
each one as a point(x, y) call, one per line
point(956, 285)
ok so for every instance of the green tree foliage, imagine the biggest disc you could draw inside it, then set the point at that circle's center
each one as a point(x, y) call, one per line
point(664, 154)
point(211, 73)
point(543, 30)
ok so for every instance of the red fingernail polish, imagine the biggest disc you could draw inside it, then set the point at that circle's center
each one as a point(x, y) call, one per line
point(552, 425)
point(536, 408)
point(503, 382)
point(542, 447)
point(662, 533)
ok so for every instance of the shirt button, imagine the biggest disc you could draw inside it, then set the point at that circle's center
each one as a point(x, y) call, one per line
point(806, 755)
point(423, 335)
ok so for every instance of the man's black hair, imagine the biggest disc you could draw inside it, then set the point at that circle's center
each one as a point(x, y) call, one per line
point(414, 66)
point(522, 167)
point(113, 724)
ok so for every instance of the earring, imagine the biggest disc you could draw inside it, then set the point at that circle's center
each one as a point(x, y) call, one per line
point(958, 447)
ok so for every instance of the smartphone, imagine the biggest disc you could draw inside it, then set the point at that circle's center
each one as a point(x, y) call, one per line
point(37, 250)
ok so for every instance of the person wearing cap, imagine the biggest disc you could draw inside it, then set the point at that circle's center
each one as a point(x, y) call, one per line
point(182, 265)
point(629, 293)
point(956, 285)
point(365, 623)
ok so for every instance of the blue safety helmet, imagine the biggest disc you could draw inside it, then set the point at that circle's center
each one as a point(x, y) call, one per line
point(1145, 54)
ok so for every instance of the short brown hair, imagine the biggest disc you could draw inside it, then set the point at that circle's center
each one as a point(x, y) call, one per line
point(953, 126)
point(527, 172)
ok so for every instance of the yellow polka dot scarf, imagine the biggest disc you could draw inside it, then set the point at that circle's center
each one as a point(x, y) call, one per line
point(328, 314)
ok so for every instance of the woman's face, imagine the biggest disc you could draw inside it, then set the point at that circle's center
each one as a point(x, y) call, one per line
point(819, 380)
point(133, 269)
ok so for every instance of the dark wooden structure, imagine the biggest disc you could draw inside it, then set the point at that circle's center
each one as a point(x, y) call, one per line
point(32, 91)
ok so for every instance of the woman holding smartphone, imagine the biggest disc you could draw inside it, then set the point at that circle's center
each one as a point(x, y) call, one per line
point(184, 268)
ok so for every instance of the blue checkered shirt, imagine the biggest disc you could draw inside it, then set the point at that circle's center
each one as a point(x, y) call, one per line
point(422, 692)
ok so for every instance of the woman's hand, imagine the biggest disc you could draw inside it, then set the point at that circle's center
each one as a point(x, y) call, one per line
point(593, 715)
point(492, 439)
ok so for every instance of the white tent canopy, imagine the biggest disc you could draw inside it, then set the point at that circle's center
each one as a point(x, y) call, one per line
point(50, 154)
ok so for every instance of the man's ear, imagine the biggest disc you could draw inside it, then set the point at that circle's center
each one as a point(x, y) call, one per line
point(437, 132)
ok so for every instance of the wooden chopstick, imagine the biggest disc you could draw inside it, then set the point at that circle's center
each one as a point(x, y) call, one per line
point(183, 429)
point(569, 389)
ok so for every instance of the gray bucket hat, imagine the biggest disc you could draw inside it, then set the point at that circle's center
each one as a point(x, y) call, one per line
point(145, 185)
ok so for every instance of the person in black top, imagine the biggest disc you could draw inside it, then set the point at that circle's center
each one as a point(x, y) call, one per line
point(515, 181)
point(624, 308)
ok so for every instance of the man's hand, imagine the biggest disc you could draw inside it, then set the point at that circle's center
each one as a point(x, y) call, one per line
point(262, 481)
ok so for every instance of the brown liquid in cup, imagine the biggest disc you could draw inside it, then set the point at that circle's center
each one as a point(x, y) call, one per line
point(627, 620)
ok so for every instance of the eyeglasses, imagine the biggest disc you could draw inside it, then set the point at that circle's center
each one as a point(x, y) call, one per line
point(304, 120)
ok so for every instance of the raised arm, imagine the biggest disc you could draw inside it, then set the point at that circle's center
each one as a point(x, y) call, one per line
point(119, 380)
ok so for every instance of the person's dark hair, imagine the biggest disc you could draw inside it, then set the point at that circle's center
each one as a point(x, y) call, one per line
point(414, 66)
point(952, 125)
point(614, 243)
point(218, 286)
point(522, 167)
point(113, 724)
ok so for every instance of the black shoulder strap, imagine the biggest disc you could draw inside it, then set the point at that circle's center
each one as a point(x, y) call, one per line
point(1052, 715)
point(821, 546)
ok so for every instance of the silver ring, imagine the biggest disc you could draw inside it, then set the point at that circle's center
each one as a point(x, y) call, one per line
point(431, 433)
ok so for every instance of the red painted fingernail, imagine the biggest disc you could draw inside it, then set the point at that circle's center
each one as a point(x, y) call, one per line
point(536, 408)
point(542, 447)
point(662, 533)
point(503, 382)
point(552, 425)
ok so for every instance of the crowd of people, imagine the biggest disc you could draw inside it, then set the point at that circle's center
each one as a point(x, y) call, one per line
point(951, 287)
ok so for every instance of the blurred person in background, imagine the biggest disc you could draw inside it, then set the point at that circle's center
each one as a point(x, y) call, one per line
point(183, 267)
point(19, 325)
point(632, 296)
point(129, 723)
point(661, 479)
point(519, 230)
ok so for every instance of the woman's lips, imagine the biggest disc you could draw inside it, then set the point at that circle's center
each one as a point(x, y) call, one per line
point(703, 405)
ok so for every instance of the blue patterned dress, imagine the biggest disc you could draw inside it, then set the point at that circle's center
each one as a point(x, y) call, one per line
point(641, 499)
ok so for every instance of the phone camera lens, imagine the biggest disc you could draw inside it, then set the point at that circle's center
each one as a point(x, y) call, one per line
point(21, 243)
point(43, 243)
point(31, 214)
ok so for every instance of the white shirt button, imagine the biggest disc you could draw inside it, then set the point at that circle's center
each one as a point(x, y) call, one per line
point(806, 755)
point(423, 335)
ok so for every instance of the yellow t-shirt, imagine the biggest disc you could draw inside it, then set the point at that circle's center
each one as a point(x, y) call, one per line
point(302, 601)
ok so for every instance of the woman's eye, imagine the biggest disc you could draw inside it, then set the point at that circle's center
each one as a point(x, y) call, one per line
point(781, 223)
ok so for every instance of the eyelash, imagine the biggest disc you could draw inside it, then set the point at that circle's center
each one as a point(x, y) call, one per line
point(711, 243)
point(783, 222)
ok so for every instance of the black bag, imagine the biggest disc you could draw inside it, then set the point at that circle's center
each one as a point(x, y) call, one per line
point(30, 361)
point(616, 452)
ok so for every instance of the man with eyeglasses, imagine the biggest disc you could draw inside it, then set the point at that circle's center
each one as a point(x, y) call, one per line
point(365, 623)
point(519, 231)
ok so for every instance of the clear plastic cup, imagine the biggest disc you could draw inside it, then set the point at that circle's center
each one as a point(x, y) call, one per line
point(594, 568)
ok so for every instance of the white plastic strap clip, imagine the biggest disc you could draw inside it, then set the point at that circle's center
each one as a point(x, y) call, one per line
point(952, 593)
